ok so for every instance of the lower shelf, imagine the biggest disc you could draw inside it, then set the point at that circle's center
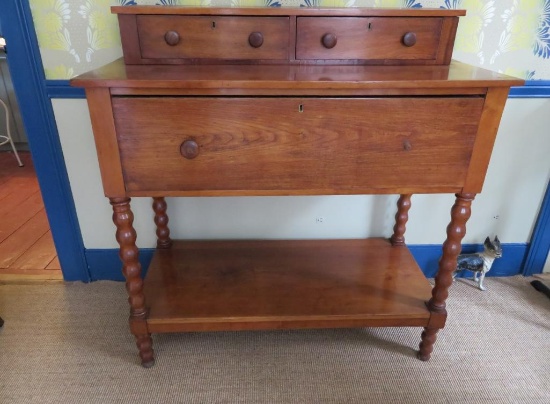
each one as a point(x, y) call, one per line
point(254, 285)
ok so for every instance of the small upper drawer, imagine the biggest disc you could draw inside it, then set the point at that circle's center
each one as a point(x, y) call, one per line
point(374, 38)
point(213, 37)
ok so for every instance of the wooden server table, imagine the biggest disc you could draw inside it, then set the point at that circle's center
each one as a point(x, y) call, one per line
point(233, 102)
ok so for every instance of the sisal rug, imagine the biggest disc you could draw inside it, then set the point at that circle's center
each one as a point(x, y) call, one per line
point(69, 343)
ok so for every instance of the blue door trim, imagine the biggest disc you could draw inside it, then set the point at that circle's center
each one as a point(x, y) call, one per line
point(62, 89)
point(540, 240)
point(532, 89)
point(30, 87)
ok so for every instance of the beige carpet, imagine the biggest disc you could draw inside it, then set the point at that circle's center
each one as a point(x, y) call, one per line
point(70, 344)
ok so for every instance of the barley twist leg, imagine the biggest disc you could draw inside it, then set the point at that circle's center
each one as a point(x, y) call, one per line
point(161, 220)
point(401, 218)
point(123, 218)
point(460, 213)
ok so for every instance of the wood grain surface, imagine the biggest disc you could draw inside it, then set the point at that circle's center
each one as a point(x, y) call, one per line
point(230, 285)
point(368, 38)
point(297, 79)
point(261, 144)
point(215, 37)
point(27, 249)
point(309, 11)
point(99, 103)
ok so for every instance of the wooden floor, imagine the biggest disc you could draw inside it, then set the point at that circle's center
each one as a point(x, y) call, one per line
point(27, 250)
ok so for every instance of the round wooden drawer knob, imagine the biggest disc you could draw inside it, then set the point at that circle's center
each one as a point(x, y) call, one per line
point(409, 39)
point(189, 149)
point(329, 40)
point(256, 39)
point(172, 38)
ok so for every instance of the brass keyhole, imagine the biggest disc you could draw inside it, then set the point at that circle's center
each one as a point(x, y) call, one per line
point(213, 24)
point(301, 108)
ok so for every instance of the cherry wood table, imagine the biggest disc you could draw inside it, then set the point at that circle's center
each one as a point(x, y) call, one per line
point(234, 102)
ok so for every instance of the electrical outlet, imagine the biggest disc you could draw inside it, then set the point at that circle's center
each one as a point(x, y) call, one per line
point(319, 219)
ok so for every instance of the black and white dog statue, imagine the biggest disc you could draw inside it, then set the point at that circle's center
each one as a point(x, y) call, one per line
point(480, 263)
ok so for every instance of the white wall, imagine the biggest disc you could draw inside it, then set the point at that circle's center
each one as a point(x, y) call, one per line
point(508, 206)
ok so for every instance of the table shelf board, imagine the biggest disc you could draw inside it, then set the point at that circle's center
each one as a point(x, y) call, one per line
point(277, 284)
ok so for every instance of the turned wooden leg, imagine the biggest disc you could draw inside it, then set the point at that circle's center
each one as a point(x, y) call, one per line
point(429, 335)
point(401, 218)
point(131, 268)
point(460, 213)
point(161, 220)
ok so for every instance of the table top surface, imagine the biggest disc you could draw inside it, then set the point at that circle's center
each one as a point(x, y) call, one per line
point(288, 11)
point(457, 74)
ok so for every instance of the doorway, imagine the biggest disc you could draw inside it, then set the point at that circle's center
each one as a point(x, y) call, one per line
point(30, 84)
point(27, 250)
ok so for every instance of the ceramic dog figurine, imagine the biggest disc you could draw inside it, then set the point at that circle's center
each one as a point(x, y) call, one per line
point(480, 263)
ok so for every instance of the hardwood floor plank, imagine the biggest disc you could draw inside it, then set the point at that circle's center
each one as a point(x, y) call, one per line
point(23, 238)
point(6, 159)
point(12, 202)
point(9, 167)
point(17, 187)
point(38, 256)
point(20, 275)
point(21, 202)
point(54, 265)
point(13, 218)
point(9, 170)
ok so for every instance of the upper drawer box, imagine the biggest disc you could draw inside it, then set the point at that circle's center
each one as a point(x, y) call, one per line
point(213, 37)
point(292, 145)
point(373, 38)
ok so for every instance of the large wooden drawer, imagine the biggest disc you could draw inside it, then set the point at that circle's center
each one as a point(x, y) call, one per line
point(371, 38)
point(213, 37)
point(295, 145)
